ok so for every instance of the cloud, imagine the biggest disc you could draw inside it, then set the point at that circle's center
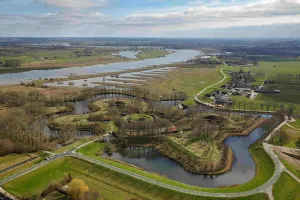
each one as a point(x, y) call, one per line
point(263, 12)
point(74, 4)
point(190, 17)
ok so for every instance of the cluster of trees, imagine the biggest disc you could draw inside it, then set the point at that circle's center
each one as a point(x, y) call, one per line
point(289, 110)
point(241, 79)
point(141, 128)
point(202, 129)
point(76, 189)
point(199, 60)
point(22, 129)
point(12, 63)
point(278, 77)
point(174, 95)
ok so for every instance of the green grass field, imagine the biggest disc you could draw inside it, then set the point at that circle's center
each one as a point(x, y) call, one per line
point(264, 170)
point(138, 117)
point(296, 124)
point(92, 148)
point(151, 54)
point(292, 137)
point(290, 167)
point(290, 93)
point(270, 58)
point(25, 166)
point(286, 188)
point(73, 145)
point(290, 67)
point(12, 159)
point(109, 184)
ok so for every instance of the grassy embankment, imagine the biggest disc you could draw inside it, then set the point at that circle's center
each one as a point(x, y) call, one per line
point(292, 136)
point(73, 145)
point(286, 188)
point(139, 117)
point(264, 170)
point(9, 161)
point(296, 124)
point(109, 184)
point(290, 164)
point(12, 159)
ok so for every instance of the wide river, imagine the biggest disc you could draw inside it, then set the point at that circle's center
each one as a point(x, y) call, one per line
point(177, 56)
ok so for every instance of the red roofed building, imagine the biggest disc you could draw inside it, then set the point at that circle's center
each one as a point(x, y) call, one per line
point(172, 129)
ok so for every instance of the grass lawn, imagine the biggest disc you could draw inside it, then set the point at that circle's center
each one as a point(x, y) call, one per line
point(286, 188)
point(73, 145)
point(291, 167)
point(25, 166)
point(293, 136)
point(289, 67)
point(264, 170)
point(109, 184)
point(296, 124)
point(256, 104)
point(271, 58)
point(6, 161)
point(92, 148)
point(290, 93)
point(152, 54)
point(188, 80)
point(139, 117)
point(281, 67)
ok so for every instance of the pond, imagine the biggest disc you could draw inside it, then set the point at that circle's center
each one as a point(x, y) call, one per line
point(242, 171)
point(177, 56)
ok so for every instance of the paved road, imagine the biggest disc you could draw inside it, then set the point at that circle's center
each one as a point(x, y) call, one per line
point(263, 188)
point(17, 165)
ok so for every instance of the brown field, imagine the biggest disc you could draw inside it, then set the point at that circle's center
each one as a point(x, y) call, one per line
point(46, 91)
point(189, 80)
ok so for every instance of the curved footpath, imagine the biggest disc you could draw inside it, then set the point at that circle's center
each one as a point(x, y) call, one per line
point(201, 92)
point(292, 127)
point(265, 188)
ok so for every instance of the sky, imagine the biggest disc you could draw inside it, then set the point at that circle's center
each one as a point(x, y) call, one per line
point(150, 18)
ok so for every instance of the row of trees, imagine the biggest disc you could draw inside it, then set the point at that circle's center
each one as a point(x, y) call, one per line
point(278, 77)
point(12, 63)
point(266, 106)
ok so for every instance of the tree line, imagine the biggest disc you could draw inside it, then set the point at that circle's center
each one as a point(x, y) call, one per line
point(12, 63)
